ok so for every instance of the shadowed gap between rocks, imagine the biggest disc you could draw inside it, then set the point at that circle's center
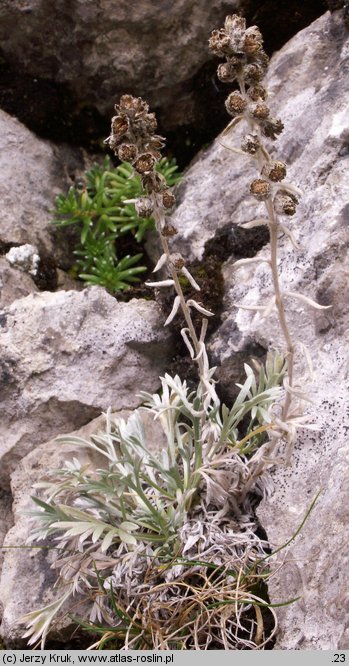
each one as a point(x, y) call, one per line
point(53, 110)
point(231, 241)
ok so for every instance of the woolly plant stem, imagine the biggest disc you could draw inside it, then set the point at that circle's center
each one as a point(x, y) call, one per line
point(273, 225)
point(159, 221)
point(279, 302)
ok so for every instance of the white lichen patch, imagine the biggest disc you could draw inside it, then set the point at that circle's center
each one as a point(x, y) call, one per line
point(340, 123)
point(25, 257)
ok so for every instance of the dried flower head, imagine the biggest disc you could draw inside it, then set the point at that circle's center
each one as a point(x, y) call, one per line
point(144, 163)
point(235, 25)
point(132, 105)
point(253, 73)
point(169, 230)
point(260, 189)
point(134, 126)
point(256, 93)
point(242, 40)
point(177, 260)
point(151, 122)
point(285, 203)
point(260, 111)
point(153, 182)
point(272, 127)
point(235, 104)
point(250, 144)
point(227, 72)
point(219, 43)
point(242, 48)
point(119, 125)
point(253, 40)
point(127, 152)
point(144, 207)
point(168, 199)
point(274, 171)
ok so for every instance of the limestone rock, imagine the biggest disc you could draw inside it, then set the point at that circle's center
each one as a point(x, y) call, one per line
point(32, 173)
point(6, 522)
point(103, 49)
point(28, 571)
point(309, 91)
point(67, 283)
point(80, 56)
point(66, 356)
point(13, 284)
point(24, 257)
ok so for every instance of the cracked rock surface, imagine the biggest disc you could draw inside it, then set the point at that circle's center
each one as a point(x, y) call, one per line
point(88, 53)
point(103, 49)
point(67, 356)
point(32, 173)
point(13, 285)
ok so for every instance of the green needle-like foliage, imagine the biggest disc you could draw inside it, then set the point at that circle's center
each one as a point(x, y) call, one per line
point(99, 210)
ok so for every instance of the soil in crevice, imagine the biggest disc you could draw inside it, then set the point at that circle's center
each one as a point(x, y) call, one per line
point(228, 242)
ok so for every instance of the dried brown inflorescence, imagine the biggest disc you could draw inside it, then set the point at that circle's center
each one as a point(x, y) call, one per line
point(246, 63)
point(133, 139)
point(260, 189)
point(274, 170)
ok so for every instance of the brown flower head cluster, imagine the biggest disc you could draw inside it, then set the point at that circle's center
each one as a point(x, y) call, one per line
point(245, 62)
point(273, 173)
point(133, 140)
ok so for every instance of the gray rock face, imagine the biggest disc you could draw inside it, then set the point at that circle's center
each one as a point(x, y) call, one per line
point(103, 49)
point(89, 53)
point(6, 522)
point(65, 357)
point(13, 284)
point(28, 570)
point(32, 173)
point(309, 89)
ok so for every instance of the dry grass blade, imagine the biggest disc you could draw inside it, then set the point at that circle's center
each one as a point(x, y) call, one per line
point(210, 610)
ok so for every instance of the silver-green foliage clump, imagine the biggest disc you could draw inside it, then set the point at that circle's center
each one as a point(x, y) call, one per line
point(148, 522)
point(102, 212)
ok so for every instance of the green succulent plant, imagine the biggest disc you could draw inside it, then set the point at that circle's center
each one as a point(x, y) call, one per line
point(99, 210)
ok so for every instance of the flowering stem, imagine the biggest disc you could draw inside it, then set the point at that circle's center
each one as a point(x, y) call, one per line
point(159, 221)
point(273, 438)
point(263, 157)
point(273, 230)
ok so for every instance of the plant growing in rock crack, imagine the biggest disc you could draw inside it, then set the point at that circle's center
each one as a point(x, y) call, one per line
point(166, 545)
point(101, 211)
point(161, 542)
point(246, 63)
